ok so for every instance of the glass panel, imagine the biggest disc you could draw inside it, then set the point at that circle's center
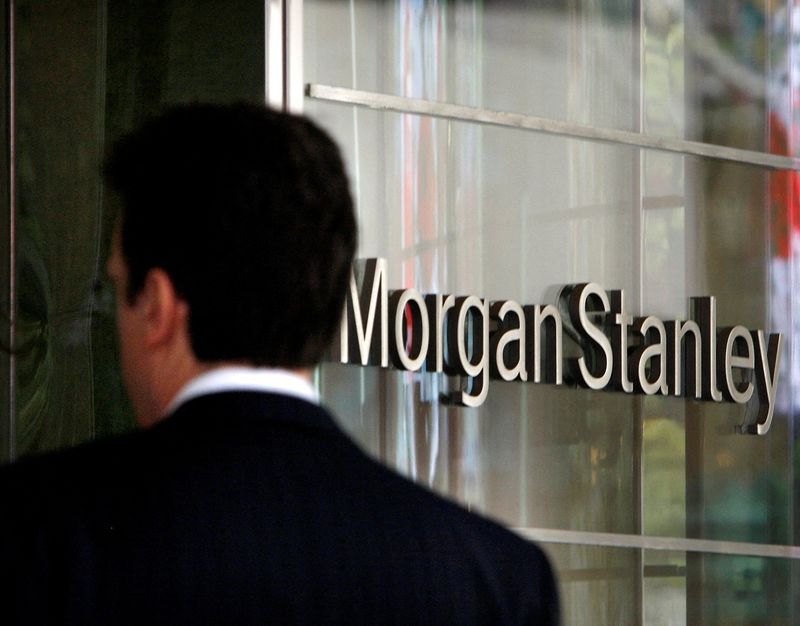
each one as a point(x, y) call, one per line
point(512, 215)
point(708, 70)
point(457, 226)
point(85, 74)
point(664, 588)
point(516, 458)
point(597, 585)
point(464, 209)
point(728, 589)
point(740, 590)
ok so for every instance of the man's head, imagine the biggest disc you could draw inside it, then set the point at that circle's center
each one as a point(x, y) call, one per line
point(246, 213)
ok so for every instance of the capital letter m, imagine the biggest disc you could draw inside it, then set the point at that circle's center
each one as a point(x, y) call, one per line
point(356, 334)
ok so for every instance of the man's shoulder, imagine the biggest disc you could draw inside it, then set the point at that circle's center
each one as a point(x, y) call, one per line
point(76, 467)
point(287, 477)
point(511, 573)
point(471, 525)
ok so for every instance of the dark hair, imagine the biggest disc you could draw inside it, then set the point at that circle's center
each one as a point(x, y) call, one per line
point(248, 211)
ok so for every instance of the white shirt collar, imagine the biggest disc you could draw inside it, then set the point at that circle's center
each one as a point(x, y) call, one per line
point(240, 378)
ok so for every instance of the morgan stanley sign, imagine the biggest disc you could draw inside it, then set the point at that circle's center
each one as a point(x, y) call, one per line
point(477, 339)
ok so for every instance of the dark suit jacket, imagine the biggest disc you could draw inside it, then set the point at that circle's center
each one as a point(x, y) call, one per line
point(250, 508)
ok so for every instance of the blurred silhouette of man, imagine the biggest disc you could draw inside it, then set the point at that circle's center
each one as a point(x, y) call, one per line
point(240, 501)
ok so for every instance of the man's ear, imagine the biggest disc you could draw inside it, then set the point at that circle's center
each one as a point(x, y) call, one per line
point(164, 312)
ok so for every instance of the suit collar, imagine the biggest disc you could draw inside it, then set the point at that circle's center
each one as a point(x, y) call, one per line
point(230, 409)
point(242, 378)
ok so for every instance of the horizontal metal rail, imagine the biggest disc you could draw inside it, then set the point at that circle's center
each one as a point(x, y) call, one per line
point(457, 112)
point(644, 542)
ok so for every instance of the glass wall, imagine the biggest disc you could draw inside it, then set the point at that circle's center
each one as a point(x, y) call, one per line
point(457, 207)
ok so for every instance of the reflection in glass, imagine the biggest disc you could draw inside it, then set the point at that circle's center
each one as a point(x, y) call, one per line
point(704, 70)
point(502, 214)
point(85, 74)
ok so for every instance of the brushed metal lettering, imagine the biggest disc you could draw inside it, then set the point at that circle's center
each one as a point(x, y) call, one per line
point(438, 305)
point(653, 379)
point(469, 337)
point(468, 333)
point(621, 321)
point(374, 299)
point(704, 312)
point(735, 352)
point(767, 367)
point(508, 339)
point(545, 350)
point(408, 312)
point(582, 297)
point(683, 336)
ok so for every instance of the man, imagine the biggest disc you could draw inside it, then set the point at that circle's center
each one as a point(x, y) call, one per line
point(240, 501)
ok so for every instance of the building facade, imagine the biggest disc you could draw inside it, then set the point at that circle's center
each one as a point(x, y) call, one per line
point(584, 217)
